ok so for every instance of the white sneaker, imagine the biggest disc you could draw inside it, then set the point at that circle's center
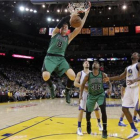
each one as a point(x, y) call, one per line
point(133, 134)
point(100, 127)
point(79, 131)
point(138, 138)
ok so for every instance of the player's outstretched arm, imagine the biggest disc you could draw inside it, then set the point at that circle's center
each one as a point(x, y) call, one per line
point(109, 83)
point(77, 80)
point(135, 80)
point(77, 30)
point(83, 86)
point(116, 78)
point(122, 91)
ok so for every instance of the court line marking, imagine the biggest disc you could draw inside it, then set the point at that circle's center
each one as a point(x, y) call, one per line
point(25, 128)
point(51, 134)
point(18, 123)
point(71, 134)
point(32, 125)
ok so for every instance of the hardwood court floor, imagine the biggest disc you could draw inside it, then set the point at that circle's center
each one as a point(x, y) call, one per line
point(55, 120)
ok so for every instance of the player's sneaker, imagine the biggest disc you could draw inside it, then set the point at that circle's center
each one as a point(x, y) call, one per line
point(88, 127)
point(100, 127)
point(104, 134)
point(52, 92)
point(135, 120)
point(79, 131)
point(67, 96)
point(121, 123)
point(133, 134)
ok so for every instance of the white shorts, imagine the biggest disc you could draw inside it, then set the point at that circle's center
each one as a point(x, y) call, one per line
point(131, 97)
point(83, 102)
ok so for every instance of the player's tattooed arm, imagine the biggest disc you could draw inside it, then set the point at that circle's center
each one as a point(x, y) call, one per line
point(109, 83)
point(77, 80)
point(83, 85)
point(137, 79)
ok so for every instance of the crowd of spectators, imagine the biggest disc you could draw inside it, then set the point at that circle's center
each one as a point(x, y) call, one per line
point(20, 83)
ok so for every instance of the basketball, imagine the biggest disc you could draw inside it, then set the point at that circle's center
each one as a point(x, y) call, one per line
point(75, 21)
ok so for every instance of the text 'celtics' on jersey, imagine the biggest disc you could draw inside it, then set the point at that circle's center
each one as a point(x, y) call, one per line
point(58, 44)
point(95, 84)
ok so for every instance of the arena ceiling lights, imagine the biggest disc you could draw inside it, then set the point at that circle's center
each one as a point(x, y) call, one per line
point(25, 9)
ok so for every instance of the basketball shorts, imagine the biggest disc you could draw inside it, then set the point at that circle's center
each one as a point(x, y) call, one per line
point(82, 105)
point(100, 99)
point(56, 64)
point(131, 97)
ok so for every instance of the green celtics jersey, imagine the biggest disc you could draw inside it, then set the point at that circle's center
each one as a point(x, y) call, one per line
point(95, 84)
point(58, 44)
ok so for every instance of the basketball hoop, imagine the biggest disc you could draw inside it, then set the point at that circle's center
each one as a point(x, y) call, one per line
point(77, 7)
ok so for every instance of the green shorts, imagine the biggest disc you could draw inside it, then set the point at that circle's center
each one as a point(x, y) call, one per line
point(91, 101)
point(56, 64)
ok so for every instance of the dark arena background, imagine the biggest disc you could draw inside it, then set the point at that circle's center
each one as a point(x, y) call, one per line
point(110, 35)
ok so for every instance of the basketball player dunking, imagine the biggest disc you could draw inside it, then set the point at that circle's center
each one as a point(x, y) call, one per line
point(132, 91)
point(54, 60)
point(82, 107)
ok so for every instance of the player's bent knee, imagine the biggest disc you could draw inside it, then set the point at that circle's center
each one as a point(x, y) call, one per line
point(46, 76)
point(71, 75)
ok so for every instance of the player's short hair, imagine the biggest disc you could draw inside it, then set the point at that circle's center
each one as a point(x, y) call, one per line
point(66, 24)
point(96, 62)
point(85, 61)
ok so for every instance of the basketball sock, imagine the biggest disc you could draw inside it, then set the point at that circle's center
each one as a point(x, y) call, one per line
point(121, 119)
point(50, 84)
point(104, 116)
point(88, 116)
point(69, 84)
point(133, 126)
point(104, 126)
point(134, 118)
point(98, 120)
point(79, 124)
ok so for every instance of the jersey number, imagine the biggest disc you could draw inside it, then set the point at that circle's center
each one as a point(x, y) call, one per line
point(96, 86)
point(59, 44)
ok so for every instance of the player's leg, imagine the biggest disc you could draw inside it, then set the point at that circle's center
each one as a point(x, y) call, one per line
point(135, 117)
point(89, 108)
point(47, 68)
point(82, 107)
point(128, 102)
point(65, 68)
point(137, 109)
point(102, 104)
point(80, 117)
point(97, 114)
point(121, 123)
point(88, 117)
point(71, 77)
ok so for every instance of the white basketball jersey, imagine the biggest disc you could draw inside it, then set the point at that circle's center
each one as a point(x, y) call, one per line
point(132, 73)
point(83, 74)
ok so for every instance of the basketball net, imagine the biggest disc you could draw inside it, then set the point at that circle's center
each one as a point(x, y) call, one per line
point(77, 7)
